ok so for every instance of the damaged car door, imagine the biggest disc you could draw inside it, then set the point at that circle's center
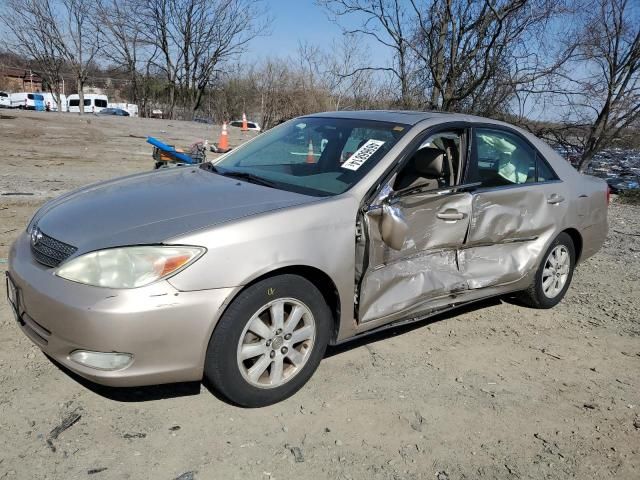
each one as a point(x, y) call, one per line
point(515, 210)
point(414, 230)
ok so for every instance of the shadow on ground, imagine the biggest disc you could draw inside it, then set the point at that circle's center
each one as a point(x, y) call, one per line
point(172, 390)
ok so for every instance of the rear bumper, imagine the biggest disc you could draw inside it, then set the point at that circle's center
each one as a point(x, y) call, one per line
point(167, 331)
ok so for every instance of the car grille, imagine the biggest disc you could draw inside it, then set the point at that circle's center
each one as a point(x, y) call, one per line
point(51, 252)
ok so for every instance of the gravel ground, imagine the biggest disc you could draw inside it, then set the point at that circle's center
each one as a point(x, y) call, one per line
point(492, 391)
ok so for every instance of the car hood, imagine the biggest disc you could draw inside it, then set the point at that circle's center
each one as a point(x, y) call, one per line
point(153, 207)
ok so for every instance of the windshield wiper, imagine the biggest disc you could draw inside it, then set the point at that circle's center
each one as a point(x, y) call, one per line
point(249, 177)
point(210, 167)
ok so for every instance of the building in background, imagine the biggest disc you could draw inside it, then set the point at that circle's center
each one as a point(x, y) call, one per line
point(19, 80)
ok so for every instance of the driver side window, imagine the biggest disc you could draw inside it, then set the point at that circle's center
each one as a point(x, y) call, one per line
point(435, 164)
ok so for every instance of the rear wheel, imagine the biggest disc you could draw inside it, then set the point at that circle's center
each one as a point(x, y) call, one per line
point(554, 274)
point(269, 341)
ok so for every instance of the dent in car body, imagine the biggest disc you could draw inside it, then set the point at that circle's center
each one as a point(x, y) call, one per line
point(425, 267)
point(250, 231)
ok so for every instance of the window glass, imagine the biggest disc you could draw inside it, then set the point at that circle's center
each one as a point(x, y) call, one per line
point(74, 103)
point(443, 146)
point(501, 159)
point(545, 173)
point(236, 124)
point(100, 103)
point(359, 136)
point(317, 156)
point(30, 96)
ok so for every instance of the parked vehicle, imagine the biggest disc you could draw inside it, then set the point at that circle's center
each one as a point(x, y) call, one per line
point(242, 270)
point(5, 100)
point(114, 111)
point(250, 125)
point(130, 108)
point(93, 103)
point(622, 183)
point(50, 103)
point(27, 101)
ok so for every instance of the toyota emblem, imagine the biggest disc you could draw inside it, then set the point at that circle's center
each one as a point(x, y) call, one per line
point(36, 236)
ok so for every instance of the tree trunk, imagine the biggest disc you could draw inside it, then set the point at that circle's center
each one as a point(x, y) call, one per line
point(80, 85)
point(585, 160)
point(58, 99)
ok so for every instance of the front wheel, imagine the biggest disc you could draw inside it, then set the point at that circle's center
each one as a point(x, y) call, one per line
point(268, 342)
point(554, 274)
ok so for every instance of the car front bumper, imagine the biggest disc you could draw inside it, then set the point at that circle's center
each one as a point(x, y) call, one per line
point(166, 330)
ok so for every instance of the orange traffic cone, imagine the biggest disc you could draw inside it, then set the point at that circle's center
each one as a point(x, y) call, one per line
point(223, 142)
point(310, 157)
point(245, 127)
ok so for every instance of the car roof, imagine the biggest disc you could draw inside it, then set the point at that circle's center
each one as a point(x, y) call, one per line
point(407, 117)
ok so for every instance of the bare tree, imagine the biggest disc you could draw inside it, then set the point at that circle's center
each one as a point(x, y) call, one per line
point(78, 38)
point(122, 24)
point(195, 37)
point(67, 33)
point(34, 36)
point(478, 53)
point(351, 86)
point(388, 22)
point(603, 97)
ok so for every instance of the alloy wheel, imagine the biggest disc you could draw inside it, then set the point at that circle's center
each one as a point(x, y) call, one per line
point(556, 271)
point(276, 343)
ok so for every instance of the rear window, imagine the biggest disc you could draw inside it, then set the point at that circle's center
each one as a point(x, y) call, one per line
point(30, 96)
point(100, 103)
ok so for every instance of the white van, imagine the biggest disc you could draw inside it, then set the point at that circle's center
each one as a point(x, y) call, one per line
point(50, 100)
point(27, 101)
point(5, 100)
point(93, 103)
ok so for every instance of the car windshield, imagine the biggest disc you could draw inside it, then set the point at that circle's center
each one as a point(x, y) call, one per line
point(313, 156)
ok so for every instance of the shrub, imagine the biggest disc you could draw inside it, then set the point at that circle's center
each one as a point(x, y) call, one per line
point(631, 197)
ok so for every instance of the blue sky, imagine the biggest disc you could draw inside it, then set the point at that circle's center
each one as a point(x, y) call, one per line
point(294, 21)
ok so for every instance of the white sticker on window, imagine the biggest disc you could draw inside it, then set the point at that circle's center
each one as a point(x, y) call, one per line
point(355, 161)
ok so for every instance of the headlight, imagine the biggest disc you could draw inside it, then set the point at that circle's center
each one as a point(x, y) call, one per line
point(128, 267)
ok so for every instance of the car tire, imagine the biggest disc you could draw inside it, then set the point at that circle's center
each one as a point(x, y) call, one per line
point(553, 276)
point(280, 357)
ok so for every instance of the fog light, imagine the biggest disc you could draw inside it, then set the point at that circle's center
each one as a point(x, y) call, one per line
point(101, 360)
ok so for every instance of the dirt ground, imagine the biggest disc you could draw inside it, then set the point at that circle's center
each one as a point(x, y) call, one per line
point(493, 391)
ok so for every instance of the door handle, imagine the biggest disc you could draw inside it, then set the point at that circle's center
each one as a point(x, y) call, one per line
point(554, 199)
point(450, 215)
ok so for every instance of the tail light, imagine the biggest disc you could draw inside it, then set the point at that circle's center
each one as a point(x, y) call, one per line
point(608, 195)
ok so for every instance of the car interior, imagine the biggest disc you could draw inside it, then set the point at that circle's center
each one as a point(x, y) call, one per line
point(434, 165)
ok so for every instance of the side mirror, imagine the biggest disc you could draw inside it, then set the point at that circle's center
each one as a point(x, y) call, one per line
point(393, 227)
